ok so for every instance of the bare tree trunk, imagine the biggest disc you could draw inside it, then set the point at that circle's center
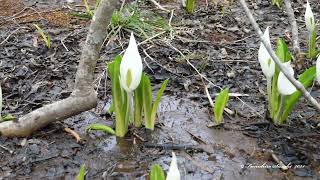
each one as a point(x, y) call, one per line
point(83, 97)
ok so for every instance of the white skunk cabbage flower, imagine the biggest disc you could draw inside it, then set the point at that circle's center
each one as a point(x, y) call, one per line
point(131, 67)
point(309, 18)
point(285, 87)
point(184, 3)
point(266, 63)
point(173, 173)
point(318, 69)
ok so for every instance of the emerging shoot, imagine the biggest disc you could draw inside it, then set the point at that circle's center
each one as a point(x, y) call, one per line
point(277, 3)
point(220, 103)
point(149, 108)
point(82, 172)
point(156, 173)
point(312, 32)
point(190, 5)
point(101, 127)
point(173, 173)
point(309, 18)
point(45, 38)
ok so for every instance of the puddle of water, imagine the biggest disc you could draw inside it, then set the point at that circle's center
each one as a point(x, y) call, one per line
point(184, 120)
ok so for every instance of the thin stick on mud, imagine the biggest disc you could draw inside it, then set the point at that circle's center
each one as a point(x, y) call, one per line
point(159, 6)
point(7, 149)
point(296, 83)
point(83, 97)
point(6, 39)
point(294, 27)
point(202, 77)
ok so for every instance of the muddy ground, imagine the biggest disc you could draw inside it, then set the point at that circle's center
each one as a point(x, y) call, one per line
point(217, 40)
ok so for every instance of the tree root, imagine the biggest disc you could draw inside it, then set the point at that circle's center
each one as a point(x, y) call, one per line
point(41, 117)
point(83, 97)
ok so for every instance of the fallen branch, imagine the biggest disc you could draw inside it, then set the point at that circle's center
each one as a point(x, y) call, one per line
point(294, 27)
point(296, 83)
point(83, 97)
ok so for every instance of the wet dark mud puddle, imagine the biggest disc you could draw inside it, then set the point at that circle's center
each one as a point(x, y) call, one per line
point(211, 153)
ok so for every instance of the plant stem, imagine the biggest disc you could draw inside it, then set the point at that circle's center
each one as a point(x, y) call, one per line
point(280, 110)
point(137, 109)
point(269, 92)
point(129, 111)
point(275, 95)
point(309, 45)
point(312, 52)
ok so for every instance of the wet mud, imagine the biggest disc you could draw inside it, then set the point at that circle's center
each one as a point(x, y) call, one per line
point(218, 41)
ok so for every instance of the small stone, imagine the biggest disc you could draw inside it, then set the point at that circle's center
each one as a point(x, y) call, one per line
point(23, 142)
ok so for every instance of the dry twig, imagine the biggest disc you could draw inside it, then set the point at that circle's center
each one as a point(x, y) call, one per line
point(6, 39)
point(294, 27)
point(280, 163)
point(202, 77)
point(159, 6)
point(73, 133)
point(7, 149)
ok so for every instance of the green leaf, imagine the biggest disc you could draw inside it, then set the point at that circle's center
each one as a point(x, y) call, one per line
point(220, 103)
point(275, 97)
point(138, 105)
point(118, 97)
point(115, 18)
point(157, 173)
point(46, 39)
point(282, 51)
point(312, 45)
point(147, 101)
point(97, 4)
point(82, 172)
point(111, 109)
point(48, 43)
point(80, 15)
point(190, 6)
point(306, 79)
point(157, 100)
point(89, 12)
point(101, 127)
point(278, 3)
point(284, 55)
point(8, 117)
